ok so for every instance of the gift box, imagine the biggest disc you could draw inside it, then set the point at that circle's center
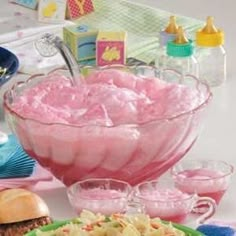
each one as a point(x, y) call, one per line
point(81, 40)
point(78, 8)
point(27, 3)
point(111, 48)
point(52, 11)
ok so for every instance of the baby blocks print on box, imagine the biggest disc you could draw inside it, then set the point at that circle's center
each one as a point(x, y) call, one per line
point(111, 48)
point(27, 3)
point(78, 8)
point(81, 40)
point(52, 11)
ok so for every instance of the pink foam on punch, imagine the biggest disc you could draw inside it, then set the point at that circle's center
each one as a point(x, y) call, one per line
point(108, 98)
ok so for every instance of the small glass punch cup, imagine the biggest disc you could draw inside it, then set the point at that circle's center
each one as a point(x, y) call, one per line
point(100, 195)
point(160, 198)
point(207, 178)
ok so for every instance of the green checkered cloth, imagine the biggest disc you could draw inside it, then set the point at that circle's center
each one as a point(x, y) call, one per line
point(142, 23)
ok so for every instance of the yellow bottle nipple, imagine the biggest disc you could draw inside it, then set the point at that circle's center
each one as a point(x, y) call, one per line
point(210, 27)
point(209, 35)
point(180, 36)
point(172, 27)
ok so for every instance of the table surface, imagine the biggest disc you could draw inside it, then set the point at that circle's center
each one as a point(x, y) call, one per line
point(217, 141)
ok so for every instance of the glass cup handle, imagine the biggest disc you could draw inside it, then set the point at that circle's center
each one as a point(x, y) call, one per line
point(210, 212)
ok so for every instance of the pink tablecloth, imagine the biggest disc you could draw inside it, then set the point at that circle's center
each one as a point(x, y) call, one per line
point(41, 179)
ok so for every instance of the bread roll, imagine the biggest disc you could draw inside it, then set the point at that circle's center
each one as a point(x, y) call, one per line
point(18, 205)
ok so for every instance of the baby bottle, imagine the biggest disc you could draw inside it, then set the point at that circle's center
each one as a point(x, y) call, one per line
point(165, 36)
point(180, 56)
point(211, 54)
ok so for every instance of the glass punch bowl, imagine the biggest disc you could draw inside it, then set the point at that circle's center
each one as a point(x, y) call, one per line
point(74, 153)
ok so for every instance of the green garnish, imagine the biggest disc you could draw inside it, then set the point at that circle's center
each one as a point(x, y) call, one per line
point(116, 224)
point(76, 221)
point(107, 219)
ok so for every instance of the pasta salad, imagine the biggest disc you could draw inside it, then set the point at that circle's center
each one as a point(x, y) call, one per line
point(90, 224)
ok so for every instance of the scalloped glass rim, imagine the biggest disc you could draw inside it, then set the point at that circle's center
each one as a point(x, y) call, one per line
point(172, 118)
point(72, 189)
point(230, 171)
point(188, 231)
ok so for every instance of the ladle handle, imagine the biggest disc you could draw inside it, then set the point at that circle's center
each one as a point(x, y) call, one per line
point(69, 59)
point(49, 44)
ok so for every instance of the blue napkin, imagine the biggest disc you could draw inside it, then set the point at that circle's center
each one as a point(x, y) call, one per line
point(14, 162)
point(215, 230)
point(8, 149)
